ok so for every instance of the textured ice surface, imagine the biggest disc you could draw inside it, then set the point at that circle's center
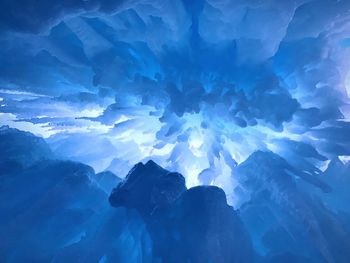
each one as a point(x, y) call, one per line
point(58, 210)
point(54, 210)
point(194, 225)
point(195, 85)
point(250, 96)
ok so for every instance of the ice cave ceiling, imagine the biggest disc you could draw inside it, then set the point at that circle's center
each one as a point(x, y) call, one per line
point(197, 85)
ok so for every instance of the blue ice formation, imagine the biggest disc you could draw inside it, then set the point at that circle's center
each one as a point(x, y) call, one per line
point(56, 210)
point(248, 96)
point(197, 86)
point(194, 225)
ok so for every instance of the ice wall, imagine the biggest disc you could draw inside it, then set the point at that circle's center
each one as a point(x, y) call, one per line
point(195, 85)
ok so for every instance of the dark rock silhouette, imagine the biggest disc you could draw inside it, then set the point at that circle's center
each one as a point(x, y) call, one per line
point(147, 188)
point(194, 225)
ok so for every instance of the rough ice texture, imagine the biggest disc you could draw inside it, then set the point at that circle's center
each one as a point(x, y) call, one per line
point(58, 210)
point(249, 96)
point(196, 85)
point(194, 225)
